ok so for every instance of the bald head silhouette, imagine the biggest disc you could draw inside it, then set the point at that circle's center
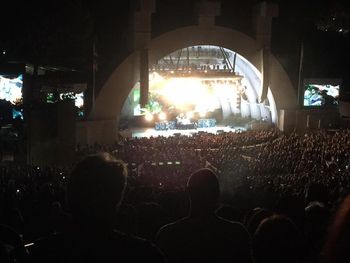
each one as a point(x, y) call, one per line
point(95, 189)
point(204, 191)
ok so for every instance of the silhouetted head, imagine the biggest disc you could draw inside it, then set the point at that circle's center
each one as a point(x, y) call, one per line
point(256, 219)
point(95, 189)
point(204, 191)
point(316, 215)
point(315, 225)
point(316, 192)
point(292, 207)
point(276, 240)
point(337, 246)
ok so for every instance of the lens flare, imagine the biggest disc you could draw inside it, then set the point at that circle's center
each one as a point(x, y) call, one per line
point(162, 116)
point(149, 117)
point(202, 114)
point(189, 115)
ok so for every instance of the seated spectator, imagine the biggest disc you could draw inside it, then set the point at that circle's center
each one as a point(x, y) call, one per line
point(316, 193)
point(255, 220)
point(202, 236)
point(4, 255)
point(276, 241)
point(228, 212)
point(150, 218)
point(126, 219)
point(95, 189)
point(316, 222)
point(291, 207)
point(337, 247)
point(11, 246)
point(58, 218)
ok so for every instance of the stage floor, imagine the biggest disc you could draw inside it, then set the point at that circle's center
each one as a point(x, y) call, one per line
point(149, 132)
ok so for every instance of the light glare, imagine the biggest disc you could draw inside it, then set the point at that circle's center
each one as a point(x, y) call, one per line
point(162, 116)
point(149, 117)
point(189, 115)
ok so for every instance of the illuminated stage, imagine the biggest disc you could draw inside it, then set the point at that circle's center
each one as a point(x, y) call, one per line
point(195, 89)
point(149, 132)
point(200, 80)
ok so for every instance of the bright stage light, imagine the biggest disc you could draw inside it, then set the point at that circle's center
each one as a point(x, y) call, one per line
point(194, 93)
point(189, 115)
point(202, 114)
point(183, 91)
point(162, 116)
point(149, 117)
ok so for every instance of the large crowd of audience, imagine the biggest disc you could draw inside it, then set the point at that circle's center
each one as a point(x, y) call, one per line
point(263, 196)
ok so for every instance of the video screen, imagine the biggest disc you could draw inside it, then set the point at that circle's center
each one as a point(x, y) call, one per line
point(17, 113)
point(11, 97)
point(79, 103)
point(77, 97)
point(11, 89)
point(316, 95)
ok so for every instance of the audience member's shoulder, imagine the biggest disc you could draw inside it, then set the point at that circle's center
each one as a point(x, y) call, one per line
point(47, 248)
point(233, 226)
point(173, 229)
point(126, 247)
point(130, 240)
point(50, 241)
point(10, 236)
point(137, 248)
point(175, 226)
point(229, 223)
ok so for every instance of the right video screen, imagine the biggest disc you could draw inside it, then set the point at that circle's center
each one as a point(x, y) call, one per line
point(319, 95)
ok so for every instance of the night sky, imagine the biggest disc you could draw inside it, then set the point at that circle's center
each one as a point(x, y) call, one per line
point(61, 33)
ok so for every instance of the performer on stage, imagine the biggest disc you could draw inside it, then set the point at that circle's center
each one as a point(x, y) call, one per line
point(183, 122)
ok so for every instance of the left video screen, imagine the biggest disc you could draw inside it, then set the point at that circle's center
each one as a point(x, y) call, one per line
point(11, 94)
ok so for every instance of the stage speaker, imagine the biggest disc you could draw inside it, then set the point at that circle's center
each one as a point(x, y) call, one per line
point(219, 131)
